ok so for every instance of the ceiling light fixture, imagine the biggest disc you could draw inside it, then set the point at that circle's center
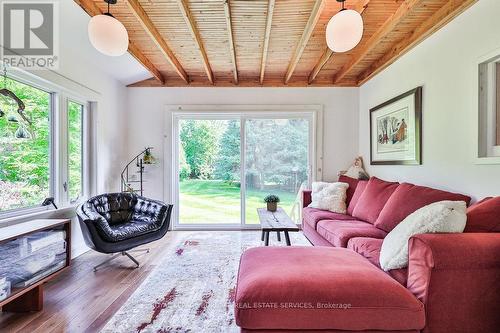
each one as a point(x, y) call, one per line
point(107, 34)
point(344, 30)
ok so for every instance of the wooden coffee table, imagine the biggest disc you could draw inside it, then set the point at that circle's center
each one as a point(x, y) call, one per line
point(276, 221)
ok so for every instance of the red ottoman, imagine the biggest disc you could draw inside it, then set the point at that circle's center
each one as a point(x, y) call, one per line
point(320, 288)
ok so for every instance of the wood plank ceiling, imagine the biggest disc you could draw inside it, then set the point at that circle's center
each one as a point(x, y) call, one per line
point(269, 42)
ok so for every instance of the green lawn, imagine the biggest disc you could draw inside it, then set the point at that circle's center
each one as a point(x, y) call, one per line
point(218, 202)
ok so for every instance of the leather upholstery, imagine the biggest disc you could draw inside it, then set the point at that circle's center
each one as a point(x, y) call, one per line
point(116, 222)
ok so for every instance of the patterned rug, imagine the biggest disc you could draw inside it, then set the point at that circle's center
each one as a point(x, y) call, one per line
point(192, 289)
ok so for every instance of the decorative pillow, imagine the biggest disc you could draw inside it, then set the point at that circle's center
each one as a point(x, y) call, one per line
point(353, 183)
point(408, 198)
point(373, 199)
point(484, 216)
point(360, 188)
point(442, 216)
point(329, 196)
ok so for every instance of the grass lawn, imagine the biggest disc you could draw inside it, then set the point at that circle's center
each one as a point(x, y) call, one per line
point(217, 202)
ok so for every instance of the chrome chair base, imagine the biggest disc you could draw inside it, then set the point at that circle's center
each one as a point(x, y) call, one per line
point(123, 253)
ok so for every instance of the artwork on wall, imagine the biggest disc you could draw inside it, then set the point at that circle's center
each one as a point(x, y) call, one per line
point(396, 130)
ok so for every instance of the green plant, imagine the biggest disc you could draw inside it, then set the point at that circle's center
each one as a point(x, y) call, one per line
point(271, 198)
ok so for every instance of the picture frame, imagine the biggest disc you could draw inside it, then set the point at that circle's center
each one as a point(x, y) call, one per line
point(396, 130)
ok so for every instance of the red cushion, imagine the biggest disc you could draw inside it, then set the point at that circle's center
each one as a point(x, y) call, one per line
point(353, 183)
point(355, 197)
point(484, 216)
point(373, 199)
point(307, 276)
point(370, 249)
point(339, 232)
point(312, 216)
point(408, 198)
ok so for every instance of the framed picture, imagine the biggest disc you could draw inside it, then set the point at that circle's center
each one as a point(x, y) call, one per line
point(396, 130)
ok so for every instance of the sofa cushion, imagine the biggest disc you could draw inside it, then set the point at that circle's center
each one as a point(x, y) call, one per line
point(484, 216)
point(312, 216)
point(339, 232)
point(438, 217)
point(407, 198)
point(370, 249)
point(320, 288)
point(373, 199)
point(355, 196)
point(329, 196)
point(353, 183)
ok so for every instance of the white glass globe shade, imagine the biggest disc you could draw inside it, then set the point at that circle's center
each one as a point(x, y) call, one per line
point(108, 35)
point(344, 31)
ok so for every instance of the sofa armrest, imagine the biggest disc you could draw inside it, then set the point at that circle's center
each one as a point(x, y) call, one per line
point(306, 198)
point(456, 277)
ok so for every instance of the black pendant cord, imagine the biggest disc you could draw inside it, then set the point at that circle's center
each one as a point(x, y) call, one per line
point(343, 5)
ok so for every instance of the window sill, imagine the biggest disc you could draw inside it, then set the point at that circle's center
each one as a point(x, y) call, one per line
point(37, 213)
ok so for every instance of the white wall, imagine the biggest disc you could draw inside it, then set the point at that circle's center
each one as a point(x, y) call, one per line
point(83, 71)
point(147, 111)
point(444, 65)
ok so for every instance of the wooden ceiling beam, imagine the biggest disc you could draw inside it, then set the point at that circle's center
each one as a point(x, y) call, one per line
point(155, 35)
point(91, 9)
point(304, 39)
point(227, 14)
point(186, 14)
point(142, 59)
point(440, 18)
point(404, 10)
point(327, 54)
point(269, 21)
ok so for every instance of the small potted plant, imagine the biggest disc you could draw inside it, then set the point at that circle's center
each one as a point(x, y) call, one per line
point(272, 202)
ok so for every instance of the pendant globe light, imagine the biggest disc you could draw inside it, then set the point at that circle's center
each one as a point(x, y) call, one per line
point(107, 34)
point(344, 30)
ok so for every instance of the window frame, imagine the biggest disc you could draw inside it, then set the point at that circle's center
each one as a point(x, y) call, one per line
point(58, 144)
point(85, 132)
point(488, 102)
point(174, 113)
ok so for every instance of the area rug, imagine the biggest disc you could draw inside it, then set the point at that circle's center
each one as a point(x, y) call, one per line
point(192, 289)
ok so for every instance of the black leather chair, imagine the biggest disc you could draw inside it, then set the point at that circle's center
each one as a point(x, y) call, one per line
point(118, 222)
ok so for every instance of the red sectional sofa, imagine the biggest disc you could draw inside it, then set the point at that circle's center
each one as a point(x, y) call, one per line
point(452, 283)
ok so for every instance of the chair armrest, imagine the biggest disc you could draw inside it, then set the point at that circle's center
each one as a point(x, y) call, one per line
point(306, 198)
point(456, 276)
point(150, 211)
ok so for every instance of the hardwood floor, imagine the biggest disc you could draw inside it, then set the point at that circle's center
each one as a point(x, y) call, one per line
point(81, 300)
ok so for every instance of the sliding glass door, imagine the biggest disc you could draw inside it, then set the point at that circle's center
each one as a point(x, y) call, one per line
point(209, 172)
point(226, 165)
point(276, 162)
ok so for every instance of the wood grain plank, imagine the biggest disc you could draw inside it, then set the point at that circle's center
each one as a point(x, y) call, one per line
point(404, 10)
point(269, 21)
point(230, 36)
point(155, 35)
point(327, 54)
point(79, 300)
point(304, 39)
point(186, 14)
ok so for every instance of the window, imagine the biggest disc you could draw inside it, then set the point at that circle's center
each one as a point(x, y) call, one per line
point(25, 147)
point(489, 108)
point(225, 163)
point(43, 149)
point(75, 150)
point(498, 103)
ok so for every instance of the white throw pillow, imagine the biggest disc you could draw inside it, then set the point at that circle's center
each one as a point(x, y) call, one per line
point(329, 196)
point(442, 216)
